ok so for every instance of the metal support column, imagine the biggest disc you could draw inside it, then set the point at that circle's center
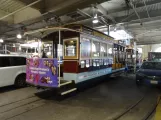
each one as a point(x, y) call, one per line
point(59, 56)
point(135, 56)
point(27, 47)
point(108, 30)
point(52, 50)
point(39, 48)
point(5, 49)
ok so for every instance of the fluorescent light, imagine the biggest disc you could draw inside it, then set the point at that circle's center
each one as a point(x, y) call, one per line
point(48, 53)
point(1, 40)
point(19, 48)
point(95, 21)
point(19, 36)
point(115, 29)
point(95, 16)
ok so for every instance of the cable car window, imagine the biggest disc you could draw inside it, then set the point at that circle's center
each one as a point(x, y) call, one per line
point(31, 50)
point(96, 49)
point(103, 49)
point(71, 48)
point(109, 50)
point(85, 47)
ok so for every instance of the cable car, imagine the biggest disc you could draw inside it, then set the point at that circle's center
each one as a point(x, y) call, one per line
point(79, 54)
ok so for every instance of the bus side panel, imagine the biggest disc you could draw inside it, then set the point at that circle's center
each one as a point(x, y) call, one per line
point(6, 74)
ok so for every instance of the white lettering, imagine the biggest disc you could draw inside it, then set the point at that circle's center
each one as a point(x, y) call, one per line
point(39, 69)
point(34, 71)
point(42, 73)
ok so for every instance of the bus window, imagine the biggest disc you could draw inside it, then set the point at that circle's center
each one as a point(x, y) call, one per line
point(4, 62)
point(16, 61)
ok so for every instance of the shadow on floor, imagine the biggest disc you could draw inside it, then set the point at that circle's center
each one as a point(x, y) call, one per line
point(8, 88)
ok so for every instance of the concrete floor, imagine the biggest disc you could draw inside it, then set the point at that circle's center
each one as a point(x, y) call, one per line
point(102, 102)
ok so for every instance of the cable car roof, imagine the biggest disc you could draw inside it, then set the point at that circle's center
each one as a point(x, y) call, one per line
point(41, 33)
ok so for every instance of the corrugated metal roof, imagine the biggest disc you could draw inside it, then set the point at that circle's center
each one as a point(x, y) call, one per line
point(10, 5)
point(156, 6)
point(112, 5)
point(141, 1)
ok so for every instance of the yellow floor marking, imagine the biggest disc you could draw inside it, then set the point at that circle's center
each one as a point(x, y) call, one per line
point(158, 110)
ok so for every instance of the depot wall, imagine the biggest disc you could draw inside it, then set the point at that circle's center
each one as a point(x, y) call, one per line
point(149, 48)
point(156, 48)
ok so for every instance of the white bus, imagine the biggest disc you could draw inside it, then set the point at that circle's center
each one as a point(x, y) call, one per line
point(12, 70)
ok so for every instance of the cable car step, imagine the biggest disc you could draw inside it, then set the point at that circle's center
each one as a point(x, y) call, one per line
point(68, 91)
point(65, 83)
point(67, 87)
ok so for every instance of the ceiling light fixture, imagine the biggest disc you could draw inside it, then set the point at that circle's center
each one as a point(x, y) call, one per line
point(1, 40)
point(115, 29)
point(19, 36)
point(95, 20)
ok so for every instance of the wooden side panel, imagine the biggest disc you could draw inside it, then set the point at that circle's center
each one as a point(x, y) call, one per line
point(71, 66)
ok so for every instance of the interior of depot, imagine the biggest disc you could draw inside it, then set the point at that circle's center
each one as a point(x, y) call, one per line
point(109, 17)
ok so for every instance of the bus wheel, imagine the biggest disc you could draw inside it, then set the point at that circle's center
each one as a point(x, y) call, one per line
point(20, 80)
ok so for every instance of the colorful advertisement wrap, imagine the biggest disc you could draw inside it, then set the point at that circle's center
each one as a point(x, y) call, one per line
point(42, 72)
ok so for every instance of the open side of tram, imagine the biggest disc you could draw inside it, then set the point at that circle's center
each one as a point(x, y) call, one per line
point(79, 54)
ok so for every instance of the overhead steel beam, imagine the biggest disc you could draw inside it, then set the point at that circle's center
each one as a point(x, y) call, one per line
point(148, 42)
point(133, 7)
point(146, 8)
point(104, 20)
point(83, 13)
point(154, 6)
point(41, 6)
point(104, 12)
point(148, 2)
point(151, 36)
point(150, 5)
point(142, 34)
point(155, 15)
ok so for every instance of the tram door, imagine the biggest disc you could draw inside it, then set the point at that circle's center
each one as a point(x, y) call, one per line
point(57, 52)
